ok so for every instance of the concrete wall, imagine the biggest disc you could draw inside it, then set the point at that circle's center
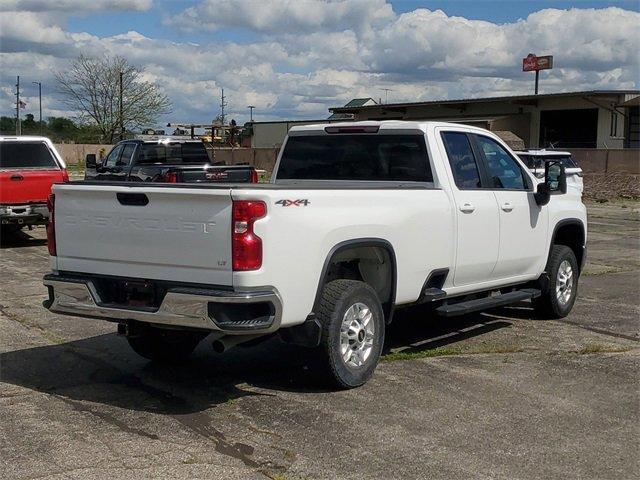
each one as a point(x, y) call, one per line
point(73, 153)
point(622, 160)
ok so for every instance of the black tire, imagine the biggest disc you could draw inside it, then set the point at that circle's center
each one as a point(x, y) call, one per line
point(548, 305)
point(164, 345)
point(337, 298)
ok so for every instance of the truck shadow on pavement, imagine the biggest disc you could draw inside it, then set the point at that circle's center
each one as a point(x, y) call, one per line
point(103, 369)
point(20, 239)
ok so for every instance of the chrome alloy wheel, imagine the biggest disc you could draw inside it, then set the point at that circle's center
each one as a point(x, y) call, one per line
point(564, 283)
point(356, 335)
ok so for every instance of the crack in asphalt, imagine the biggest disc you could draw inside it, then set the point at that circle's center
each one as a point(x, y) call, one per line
point(106, 417)
point(601, 331)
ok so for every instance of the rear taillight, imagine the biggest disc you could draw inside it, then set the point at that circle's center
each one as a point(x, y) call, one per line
point(51, 226)
point(65, 176)
point(246, 246)
point(171, 177)
point(254, 176)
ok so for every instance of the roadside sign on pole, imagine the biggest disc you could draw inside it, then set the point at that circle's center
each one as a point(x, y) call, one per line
point(533, 63)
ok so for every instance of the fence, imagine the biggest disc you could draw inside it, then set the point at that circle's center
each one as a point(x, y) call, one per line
point(591, 160)
point(74, 153)
point(261, 158)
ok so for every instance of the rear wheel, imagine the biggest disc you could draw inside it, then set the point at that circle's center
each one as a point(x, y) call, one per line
point(557, 300)
point(352, 332)
point(164, 345)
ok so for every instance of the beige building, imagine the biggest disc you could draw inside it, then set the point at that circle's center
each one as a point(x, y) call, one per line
point(593, 119)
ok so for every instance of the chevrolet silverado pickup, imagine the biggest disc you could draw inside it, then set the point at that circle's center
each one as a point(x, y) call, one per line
point(164, 160)
point(28, 167)
point(359, 219)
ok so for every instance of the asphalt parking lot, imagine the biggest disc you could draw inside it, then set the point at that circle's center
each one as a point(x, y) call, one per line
point(495, 395)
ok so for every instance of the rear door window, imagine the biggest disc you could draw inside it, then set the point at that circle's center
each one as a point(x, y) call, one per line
point(401, 158)
point(462, 160)
point(26, 155)
point(127, 152)
point(172, 153)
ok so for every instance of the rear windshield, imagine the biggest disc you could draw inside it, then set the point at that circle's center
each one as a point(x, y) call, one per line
point(537, 161)
point(400, 158)
point(25, 155)
point(173, 153)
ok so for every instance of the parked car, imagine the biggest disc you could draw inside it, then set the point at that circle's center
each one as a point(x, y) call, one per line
point(359, 219)
point(167, 161)
point(535, 161)
point(28, 167)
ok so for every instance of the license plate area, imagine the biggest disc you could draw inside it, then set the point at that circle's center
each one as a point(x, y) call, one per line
point(135, 294)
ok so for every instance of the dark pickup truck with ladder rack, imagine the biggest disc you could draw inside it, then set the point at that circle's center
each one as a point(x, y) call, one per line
point(167, 161)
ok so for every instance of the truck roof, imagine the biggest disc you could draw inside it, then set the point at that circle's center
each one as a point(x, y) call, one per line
point(163, 140)
point(543, 152)
point(24, 138)
point(383, 125)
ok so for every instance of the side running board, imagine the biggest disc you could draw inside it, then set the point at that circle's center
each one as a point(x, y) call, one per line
point(479, 304)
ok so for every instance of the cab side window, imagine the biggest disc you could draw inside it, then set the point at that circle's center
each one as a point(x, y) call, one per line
point(127, 153)
point(114, 156)
point(462, 160)
point(503, 170)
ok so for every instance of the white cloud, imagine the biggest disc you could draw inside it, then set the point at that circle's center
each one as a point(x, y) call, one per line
point(321, 55)
point(74, 6)
point(284, 16)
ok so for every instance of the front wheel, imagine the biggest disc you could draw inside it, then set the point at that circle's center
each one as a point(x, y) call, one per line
point(557, 300)
point(164, 345)
point(352, 332)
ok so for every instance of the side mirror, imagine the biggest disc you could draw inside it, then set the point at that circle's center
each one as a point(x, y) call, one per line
point(555, 176)
point(555, 181)
point(90, 161)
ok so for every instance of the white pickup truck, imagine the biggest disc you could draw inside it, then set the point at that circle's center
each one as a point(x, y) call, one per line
point(359, 219)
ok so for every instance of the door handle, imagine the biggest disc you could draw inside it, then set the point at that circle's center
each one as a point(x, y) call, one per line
point(467, 208)
point(507, 207)
point(17, 178)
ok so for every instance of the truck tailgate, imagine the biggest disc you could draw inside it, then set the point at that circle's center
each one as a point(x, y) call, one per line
point(27, 185)
point(152, 232)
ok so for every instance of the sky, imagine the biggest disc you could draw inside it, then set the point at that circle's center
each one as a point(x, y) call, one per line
point(294, 59)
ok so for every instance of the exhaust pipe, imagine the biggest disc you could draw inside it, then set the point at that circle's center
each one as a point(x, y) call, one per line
point(223, 344)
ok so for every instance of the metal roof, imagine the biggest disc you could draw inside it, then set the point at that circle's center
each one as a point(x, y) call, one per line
point(510, 98)
point(359, 102)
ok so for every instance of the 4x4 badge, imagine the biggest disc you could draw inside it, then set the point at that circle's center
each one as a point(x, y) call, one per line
point(293, 203)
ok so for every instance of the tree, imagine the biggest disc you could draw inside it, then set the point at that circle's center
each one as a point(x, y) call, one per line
point(91, 86)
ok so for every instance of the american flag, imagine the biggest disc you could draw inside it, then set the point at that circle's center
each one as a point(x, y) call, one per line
point(22, 104)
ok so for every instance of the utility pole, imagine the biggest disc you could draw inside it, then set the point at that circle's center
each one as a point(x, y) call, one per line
point(386, 94)
point(18, 125)
point(120, 110)
point(40, 102)
point(222, 105)
point(250, 107)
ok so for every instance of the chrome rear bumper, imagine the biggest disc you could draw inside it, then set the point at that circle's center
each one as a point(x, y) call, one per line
point(183, 307)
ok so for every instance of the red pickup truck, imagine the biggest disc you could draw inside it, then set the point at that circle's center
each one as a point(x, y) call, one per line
point(28, 168)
